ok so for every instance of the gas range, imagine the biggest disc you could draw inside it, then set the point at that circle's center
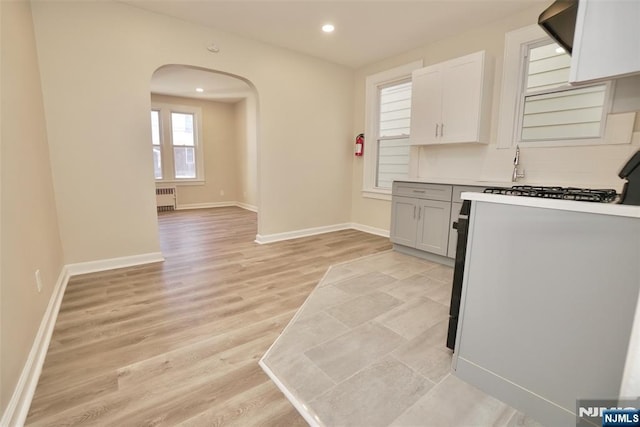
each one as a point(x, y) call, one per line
point(564, 193)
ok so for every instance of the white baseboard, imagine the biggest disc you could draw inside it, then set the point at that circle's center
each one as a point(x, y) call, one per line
point(113, 263)
point(371, 230)
point(296, 234)
point(205, 205)
point(18, 407)
point(247, 206)
point(242, 205)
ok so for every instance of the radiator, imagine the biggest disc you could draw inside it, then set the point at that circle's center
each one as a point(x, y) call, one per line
point(166, 199)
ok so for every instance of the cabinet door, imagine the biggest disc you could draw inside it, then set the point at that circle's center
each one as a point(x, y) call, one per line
point(453, 233)
point(606, 42)
point(461, 99)
point(426, 101)
point(433, 226)
point(404, 223)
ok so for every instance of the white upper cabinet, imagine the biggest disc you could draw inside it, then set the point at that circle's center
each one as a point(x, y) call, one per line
point(450, 101)
point(606, 42)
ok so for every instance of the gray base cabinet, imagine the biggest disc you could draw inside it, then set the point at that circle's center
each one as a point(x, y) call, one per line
point(422, 216)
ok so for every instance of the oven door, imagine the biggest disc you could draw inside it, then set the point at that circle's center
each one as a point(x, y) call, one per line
point(462, 226)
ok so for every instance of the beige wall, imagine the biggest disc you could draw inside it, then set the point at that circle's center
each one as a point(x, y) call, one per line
point(96, 60)
point(30, 238)
point(579, 166)
point(246, 137)
point(220, 152)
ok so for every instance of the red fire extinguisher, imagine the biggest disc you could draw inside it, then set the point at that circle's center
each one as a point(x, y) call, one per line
point(359, 144)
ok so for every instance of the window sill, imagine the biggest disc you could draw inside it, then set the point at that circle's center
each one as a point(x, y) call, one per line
point(182, 182)
point(377, 194)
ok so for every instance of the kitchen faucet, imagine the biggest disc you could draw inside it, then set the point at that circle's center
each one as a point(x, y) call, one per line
point(516, 161)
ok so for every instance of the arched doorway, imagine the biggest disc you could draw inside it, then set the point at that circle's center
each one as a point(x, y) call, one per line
point(204, 138)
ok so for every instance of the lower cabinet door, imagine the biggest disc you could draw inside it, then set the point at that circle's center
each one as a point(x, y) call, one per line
point(433, 226)
point(404, 224)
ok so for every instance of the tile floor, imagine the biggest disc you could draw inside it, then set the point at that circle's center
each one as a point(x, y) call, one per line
point(367, 348)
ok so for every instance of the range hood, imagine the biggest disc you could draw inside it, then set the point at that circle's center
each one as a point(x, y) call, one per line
point(559, 21)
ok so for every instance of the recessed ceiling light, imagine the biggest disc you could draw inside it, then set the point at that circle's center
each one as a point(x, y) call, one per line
point(199, 89)
point(559, 50)
point(328, 28)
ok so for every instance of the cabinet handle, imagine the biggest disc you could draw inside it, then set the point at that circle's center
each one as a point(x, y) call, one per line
point(414, 212)
point(441, 129)
point(436, 135)
point(419, 210)
point(419, 191)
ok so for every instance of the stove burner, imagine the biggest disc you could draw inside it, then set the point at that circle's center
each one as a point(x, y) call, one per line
point(564, 193)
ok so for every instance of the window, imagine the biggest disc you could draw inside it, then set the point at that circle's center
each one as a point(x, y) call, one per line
point(551, 109)
point(393, 133)
point(178, 157)
point(386, 151)
point(538, 106)
point(155, 140)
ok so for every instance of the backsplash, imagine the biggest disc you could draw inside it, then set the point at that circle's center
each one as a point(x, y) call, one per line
point(582, 166)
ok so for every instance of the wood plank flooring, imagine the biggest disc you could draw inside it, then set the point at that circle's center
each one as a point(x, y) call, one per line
point(178, 343)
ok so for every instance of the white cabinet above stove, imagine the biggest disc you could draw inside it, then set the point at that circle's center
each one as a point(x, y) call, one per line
point(606, 41)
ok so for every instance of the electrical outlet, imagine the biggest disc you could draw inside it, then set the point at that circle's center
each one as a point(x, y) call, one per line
point(222, 192)
point(38, 280)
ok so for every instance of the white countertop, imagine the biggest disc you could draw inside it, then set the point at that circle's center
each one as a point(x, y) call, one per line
point(457, 181)
point(564, 205)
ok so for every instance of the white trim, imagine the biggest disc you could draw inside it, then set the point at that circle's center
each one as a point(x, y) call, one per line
point(517, 43)
point(373, 82)
point(247, 206)
point(377, 194)
point(511, 78)
point(179, 182)
point(296, 234)
point(113, 263)
point(300, 407)
point(242, 205)
point(205, 205)
point(18, 407)
point(371, 230)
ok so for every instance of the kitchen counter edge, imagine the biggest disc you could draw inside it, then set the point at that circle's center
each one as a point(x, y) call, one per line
point(564, 205)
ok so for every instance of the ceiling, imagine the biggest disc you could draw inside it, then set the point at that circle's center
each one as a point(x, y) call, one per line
point(366, 31)
point(180, 80)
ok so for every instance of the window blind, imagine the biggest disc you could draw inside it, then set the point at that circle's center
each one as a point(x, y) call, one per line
point(552, 109)
point(393, 132)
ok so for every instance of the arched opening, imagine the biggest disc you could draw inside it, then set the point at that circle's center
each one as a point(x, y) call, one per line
point(204, 139)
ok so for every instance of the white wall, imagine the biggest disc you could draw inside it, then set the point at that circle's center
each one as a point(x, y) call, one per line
point(579, 166)
point(30, 239)
point(96, 60)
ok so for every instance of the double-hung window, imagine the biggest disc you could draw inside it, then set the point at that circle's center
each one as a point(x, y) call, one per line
point(392, 138)
point(176, 138)
point(386, 150)
point(538, 107)
point(551, 109)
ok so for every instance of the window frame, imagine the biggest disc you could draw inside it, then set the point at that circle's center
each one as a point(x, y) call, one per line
point(166, 143)
point(517, 45)
point(374, 83)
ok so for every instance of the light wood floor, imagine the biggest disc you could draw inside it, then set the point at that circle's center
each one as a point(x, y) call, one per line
point(178, 343)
